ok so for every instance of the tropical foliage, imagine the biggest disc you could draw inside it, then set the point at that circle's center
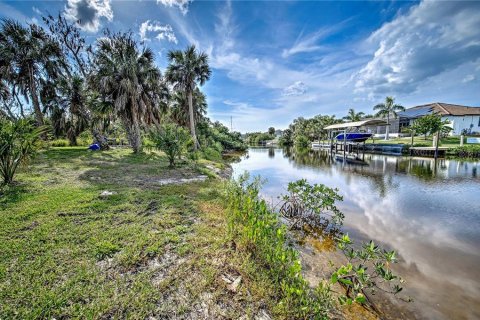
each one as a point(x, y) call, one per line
point(109, 88)
point(430, 124)
point(127, 78)
point(388, 109)
point(171, 139)
point(354, 116)
point(18, 144)
point(188, 69)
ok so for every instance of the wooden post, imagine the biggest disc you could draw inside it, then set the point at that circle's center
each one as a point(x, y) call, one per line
point(461, 139)
point(436, 145)
point(344, 142)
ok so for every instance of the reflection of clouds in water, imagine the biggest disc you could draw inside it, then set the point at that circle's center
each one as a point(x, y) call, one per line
point(432, 219)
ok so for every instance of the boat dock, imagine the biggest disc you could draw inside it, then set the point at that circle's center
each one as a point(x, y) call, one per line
point(380, 148)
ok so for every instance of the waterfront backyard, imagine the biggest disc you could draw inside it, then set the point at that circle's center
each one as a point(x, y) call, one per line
point(111, 235)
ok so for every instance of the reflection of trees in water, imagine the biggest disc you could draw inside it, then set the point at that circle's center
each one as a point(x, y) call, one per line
point(271, 152)
point(381, 169)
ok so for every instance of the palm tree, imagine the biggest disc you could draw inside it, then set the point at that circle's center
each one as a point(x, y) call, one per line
point(179, 111)
point(353, 116)
point(387, 109)
point(29, 58)
point(72, 106)
point(187, 69)
point(129, 80)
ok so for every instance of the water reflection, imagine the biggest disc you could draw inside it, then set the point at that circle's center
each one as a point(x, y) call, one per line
point(427, 210)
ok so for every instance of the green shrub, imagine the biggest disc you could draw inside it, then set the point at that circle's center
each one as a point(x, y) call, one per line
point(255, 228)
point(211, 154)
point(466, 151)
point(302, 142)
point(60, 143)
point(85, 139)
point(19, 142)
point(170, 139)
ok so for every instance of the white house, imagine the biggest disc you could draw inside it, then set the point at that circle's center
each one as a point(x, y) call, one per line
point(462, 118)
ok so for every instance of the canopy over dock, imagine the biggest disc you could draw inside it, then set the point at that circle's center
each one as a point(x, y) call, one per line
point(357, 124)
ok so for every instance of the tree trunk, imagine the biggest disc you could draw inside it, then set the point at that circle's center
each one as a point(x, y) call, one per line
point(192, 120)
point(133, 133)
point(35, 102)
point(387, 129)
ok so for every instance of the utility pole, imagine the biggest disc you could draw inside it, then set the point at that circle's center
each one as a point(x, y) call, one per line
point(231, 123)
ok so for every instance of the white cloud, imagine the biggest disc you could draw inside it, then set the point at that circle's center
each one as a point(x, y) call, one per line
point(432, 38)
point(163, 32)
point(181, 4)
point(36, 10)
point(468, 78)
point(297, 89)
point(88, 13)
point(309, 43)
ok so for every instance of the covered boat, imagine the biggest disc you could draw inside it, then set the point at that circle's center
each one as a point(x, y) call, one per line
point(354, 136)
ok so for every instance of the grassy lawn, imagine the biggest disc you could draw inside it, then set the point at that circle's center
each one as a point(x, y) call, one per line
point(146, 250)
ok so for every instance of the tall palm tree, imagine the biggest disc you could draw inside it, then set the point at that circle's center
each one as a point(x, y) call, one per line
point(187, 69)
point(29, 57)
point(128, 78)
point(386, 110)
point(354, 116)
point(179, 111)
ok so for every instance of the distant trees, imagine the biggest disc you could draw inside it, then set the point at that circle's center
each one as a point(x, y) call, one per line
point(354, 116)
point(271, 130)
point(387, 110)
point(186, 70)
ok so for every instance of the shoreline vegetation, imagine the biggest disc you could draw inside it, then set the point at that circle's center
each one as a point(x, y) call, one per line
point(116, 234)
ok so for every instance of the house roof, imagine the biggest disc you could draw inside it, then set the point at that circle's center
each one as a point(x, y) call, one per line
point(445, 109)
point(356, 124)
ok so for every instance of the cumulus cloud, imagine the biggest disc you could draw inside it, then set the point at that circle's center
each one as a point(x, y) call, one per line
point(297, 89)
point(88, 13)
point(161, 31)
point(181, 4)
point(430, 39)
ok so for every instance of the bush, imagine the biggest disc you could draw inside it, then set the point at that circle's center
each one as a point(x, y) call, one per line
point(19, 142)
point(257, 229)
point(211, 154)
point(170, 139)
point(85, 139)
point(60, 143)
point(302, 142)
point(466, 151)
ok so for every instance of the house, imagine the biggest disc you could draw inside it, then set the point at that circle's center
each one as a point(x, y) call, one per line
point(461, 118)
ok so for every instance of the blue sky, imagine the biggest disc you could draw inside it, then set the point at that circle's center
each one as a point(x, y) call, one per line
point(274, 61)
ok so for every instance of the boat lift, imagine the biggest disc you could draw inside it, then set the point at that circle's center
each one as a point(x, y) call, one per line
point(341, 128)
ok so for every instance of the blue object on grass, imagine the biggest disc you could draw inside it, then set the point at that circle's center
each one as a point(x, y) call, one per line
point(94, 147)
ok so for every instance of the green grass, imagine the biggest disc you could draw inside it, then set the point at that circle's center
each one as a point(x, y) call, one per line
point(147, 250)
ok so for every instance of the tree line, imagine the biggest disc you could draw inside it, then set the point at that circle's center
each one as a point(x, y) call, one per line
point(51, 77)
point(302, 131)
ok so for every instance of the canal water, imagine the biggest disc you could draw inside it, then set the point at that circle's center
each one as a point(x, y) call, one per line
point(426, 210)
